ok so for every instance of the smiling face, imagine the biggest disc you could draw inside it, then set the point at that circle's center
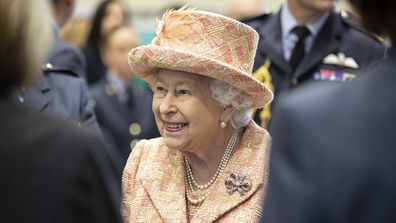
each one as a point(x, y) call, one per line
point(186, 114)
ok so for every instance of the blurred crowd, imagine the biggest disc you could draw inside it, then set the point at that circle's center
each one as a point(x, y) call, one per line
point(73, 109)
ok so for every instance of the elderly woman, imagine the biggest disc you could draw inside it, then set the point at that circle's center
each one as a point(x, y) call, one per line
point(211, 162)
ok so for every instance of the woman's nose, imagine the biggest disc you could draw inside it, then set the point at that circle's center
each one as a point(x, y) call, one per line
point(167, 105)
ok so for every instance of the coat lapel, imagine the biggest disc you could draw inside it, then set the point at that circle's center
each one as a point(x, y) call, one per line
point(271, 43)
point(164, 185)
point(249, 161)
point(38, 96)
point(327, 41)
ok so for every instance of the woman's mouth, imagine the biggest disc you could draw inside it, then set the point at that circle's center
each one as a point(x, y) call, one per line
point(174, 127)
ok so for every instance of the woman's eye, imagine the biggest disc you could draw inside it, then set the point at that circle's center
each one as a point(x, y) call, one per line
point(160, 89)
point(183, 92)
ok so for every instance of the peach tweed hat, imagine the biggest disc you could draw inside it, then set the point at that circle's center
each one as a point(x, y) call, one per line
point(203, 43)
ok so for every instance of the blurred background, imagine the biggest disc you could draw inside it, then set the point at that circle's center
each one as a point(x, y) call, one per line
point(143, 14)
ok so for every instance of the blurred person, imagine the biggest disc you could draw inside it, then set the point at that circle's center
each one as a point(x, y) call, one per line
point(210, 163)
point(308, 41)
point(123, 108)
point(61, 90)
point(109, 14)
point(243, 9)
point(334, 146)
point(51, 171)
point(63, 55)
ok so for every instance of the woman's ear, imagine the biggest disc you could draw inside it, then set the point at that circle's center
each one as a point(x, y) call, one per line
point(227, 114)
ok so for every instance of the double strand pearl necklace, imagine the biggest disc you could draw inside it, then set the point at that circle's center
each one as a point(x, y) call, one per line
point(190, 177)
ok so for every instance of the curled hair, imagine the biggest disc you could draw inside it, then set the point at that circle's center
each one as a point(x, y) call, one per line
point(227, 95)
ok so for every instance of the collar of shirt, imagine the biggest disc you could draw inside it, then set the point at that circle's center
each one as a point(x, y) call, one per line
point(118, 86)
point(289, 39)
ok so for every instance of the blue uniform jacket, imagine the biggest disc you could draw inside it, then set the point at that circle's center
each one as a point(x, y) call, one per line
point(62, 95)
point(337, 41)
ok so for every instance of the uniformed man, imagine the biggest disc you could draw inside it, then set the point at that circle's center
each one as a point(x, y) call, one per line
point(61, 92)
point(308, 41)
point(123, 108)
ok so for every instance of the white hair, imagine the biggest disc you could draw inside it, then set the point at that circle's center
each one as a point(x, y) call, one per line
point(227, 95)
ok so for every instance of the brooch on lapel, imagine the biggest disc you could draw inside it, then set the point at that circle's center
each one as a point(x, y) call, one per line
point(341, 60)
point(237, 183)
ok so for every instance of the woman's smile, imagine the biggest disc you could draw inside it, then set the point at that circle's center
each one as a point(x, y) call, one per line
point(174, 127)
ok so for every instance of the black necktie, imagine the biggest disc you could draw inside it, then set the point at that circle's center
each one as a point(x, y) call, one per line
point(299, 49)
point(129, 93)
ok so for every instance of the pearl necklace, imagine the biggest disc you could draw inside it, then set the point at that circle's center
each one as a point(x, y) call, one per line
point(190, 177)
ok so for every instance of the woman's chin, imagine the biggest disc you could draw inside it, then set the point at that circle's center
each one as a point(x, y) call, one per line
point(173, 145)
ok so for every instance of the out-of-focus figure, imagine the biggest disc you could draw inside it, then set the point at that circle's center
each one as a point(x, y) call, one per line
point(61, 90)
point(50, 170)
point(242, 9)
point(63, 55)
point(308, 41)
point(122, 106)
point(109, 14)
point(334, 154)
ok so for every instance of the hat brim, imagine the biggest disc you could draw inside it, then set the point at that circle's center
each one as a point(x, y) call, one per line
point(146, 60)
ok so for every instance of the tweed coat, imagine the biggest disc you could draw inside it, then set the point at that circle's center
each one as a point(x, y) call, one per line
point(154, 187)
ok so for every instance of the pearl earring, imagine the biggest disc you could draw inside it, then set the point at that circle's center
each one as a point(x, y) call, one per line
point(223, 124)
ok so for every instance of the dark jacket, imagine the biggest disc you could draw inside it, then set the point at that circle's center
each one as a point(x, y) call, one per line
point(52, 171)
point(96, 70)
point(120, 124)
point(337, 35)
point(334, 152)
point(64, 55)
point(63, 95)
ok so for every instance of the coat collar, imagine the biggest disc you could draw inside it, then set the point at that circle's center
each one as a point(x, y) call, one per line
point(327, 41)
point(271, 42)
point(164, 183)
point(167, 190)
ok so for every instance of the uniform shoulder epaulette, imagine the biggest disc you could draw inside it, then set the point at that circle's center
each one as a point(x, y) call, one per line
point(353, 22)
point(49, 68)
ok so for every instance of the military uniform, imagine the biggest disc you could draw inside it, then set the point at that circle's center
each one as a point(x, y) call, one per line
point(338, 51)
point(122, 124)
point(59, 91)
point(64, 55)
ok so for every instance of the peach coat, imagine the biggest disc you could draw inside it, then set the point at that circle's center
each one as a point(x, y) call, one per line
point(154, 187)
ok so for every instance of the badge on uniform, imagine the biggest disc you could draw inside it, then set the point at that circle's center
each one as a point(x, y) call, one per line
point(340, 60)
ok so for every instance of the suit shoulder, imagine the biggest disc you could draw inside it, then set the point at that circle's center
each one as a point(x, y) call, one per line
point(52, 69)
point(352, 22)
point(257, 21)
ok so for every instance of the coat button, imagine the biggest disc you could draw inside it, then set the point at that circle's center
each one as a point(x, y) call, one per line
point(135, 129)
point(109, 90)
point(133, 143)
